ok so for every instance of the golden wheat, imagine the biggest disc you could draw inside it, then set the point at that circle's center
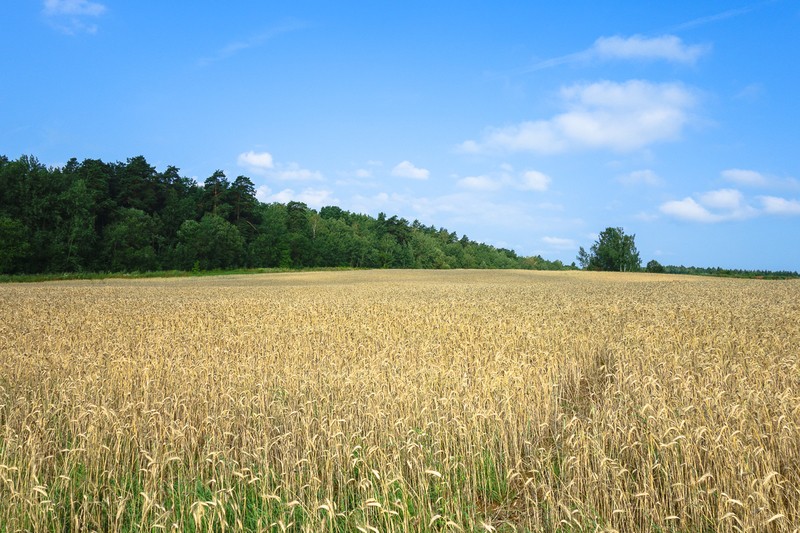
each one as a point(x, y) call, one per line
point(401, 401)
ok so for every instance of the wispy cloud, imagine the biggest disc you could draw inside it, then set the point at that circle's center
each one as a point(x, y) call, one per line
point(294, 172)
point(752, 91)
point(638, 47)
point(314, 198)
point(73, 16)
point(452, 210)
point(644, 216)
point(360, 175)
point(775, 205)
point(668, 48)
point(617, 116)
point(753, 178)
point(73, 7)
point(716, 17)
point(234, 47)
point(480, 183)
point(530, 180)
point(745, 177)
point(560, 243)
point(640, 177)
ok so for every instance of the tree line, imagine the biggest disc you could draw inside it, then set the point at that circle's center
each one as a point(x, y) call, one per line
point(723, 272)
point(615, 251)
point(93, 216)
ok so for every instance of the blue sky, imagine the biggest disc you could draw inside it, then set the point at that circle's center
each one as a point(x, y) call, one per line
point(528, 125)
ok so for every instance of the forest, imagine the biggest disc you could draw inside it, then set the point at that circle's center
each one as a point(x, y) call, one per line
point(93, 216)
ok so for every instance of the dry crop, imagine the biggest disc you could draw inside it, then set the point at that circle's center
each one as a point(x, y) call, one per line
point(401, 401)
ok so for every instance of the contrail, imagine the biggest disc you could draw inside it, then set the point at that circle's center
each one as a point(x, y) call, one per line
point(719, 16)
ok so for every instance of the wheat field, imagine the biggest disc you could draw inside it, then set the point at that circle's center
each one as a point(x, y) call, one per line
point(401, 401)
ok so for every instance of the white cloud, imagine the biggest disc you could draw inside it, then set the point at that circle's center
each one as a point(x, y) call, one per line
point(360, 176)
point(294, 172)
point(774, 205)
point(605, 115)
point(470, 147)
point(73, 7)
point(688, 209)
point(406, 169)
point(722, 199)
point(258, 162)
point(745, 177)
point(666, 47)
point(727, 204)
point(645, 217)
point(533, 180)
point(375, 203)
point(263, 164)
point(752, 178)
point(535, 136)
point(480, 183)
point(457, 211)
point(637, 47)
point(263, 193)
point(314, 198)
point(640, 177)
point(712, 206)
point(70, 16)
point(560, 243)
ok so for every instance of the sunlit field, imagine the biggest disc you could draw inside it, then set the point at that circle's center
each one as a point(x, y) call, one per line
point(401, 401)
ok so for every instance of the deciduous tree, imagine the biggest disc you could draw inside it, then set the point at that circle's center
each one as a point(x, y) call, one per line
point(613, 251)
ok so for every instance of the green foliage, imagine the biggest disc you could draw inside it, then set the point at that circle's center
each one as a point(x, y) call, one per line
point(76, 227)
point(654, 267)
point(14, 246)
point(93, 216)
point(613, 251)
point(537, 262)
point(128, 242)
point(213, 243)
point(731, 272)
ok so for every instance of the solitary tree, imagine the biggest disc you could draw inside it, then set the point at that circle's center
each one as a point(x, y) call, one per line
point(613, 251)
point(654, 266)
